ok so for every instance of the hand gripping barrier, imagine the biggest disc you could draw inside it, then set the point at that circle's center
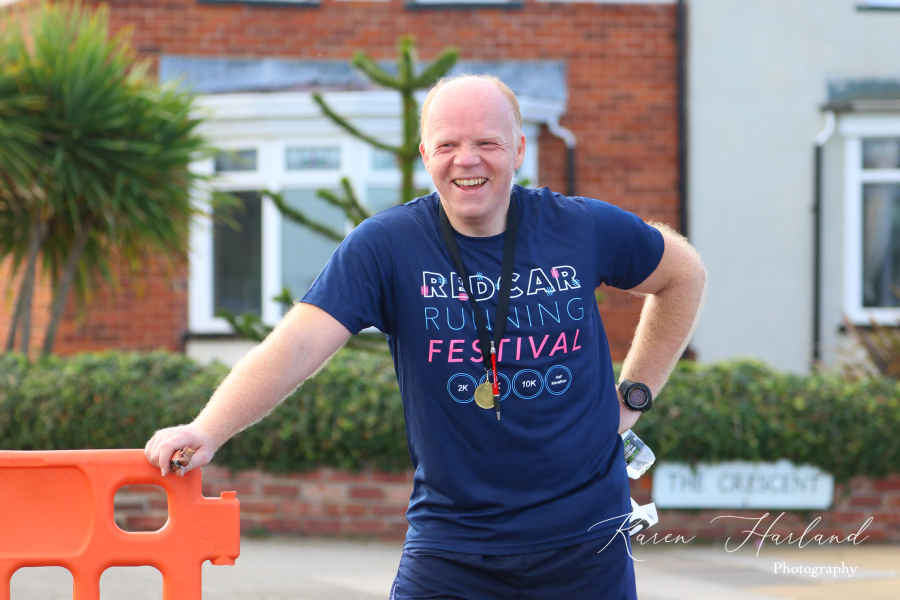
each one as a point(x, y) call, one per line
point(56, 509)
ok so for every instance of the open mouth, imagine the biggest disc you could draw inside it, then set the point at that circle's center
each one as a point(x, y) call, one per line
point(469, 184)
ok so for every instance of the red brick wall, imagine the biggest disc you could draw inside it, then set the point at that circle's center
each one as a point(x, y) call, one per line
point(323, 502)
point(330, 502)
point(854, 502)
point(621, 71)
point(14, 8)
point(143, 313)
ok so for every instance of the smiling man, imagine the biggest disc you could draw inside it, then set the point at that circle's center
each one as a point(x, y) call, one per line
point(472, 143)
point(485, 291)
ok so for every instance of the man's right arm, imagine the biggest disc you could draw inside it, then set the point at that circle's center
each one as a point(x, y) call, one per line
point(304, 340)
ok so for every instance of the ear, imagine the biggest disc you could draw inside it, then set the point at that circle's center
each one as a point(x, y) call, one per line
point(520, 152)
point(425, 157)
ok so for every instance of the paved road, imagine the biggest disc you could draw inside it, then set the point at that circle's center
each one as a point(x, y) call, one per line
point(317, 569)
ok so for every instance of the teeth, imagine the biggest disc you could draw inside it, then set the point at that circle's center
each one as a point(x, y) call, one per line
point(470, 181)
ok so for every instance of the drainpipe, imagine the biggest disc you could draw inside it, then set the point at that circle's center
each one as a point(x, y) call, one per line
point(681, 76)
point(820, 142)
point(568, 137)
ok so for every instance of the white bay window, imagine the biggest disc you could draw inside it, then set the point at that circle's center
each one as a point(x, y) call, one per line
point(872, 218)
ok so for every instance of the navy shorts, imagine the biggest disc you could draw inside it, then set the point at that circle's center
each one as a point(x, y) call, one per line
point(580, 572)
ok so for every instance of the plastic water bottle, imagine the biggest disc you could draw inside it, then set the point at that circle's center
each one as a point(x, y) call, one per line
point(638, 456)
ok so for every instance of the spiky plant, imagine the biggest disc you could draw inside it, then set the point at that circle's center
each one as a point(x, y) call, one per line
point(107, 177)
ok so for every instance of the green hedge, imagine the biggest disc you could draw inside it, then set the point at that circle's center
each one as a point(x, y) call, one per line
point(349, 416)
point(745, 410)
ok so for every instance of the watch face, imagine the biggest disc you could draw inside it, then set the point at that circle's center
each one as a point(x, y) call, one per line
point(638, 397)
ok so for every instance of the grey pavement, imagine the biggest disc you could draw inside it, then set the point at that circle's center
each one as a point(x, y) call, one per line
point(328, 569)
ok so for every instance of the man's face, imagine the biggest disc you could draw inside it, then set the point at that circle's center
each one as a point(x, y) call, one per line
point(470, 149)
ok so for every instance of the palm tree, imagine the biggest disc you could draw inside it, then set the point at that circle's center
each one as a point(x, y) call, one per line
point(19, 137)
point(107, 178)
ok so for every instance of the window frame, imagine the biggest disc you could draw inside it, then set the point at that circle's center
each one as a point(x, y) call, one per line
point(854, 128)
point(201, 290)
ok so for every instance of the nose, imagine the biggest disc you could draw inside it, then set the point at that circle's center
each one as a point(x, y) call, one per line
point(467, 156)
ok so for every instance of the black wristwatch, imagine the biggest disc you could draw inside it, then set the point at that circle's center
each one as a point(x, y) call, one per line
point(636, 396)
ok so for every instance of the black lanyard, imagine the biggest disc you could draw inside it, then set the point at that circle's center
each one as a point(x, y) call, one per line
point(488, 354)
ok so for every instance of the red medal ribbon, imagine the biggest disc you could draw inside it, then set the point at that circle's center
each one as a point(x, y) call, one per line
point(494, 368)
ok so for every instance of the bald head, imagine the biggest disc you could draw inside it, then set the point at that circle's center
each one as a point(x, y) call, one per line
point(472, 85)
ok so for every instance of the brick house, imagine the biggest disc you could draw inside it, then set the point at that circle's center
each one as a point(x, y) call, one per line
point(599, 75)
point(795, 175)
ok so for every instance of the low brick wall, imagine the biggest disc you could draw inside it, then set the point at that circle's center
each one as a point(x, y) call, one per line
point(854, 503)
point(338, 503)
point(322, 502)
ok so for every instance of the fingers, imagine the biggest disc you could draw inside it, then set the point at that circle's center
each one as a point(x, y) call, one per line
point(151, 447)
point(156, 448)
point(202, 456)
point(166, 442)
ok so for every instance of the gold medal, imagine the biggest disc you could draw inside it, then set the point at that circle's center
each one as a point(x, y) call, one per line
point(484, 395)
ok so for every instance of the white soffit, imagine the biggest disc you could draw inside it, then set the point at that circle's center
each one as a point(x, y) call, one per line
point(299, 106)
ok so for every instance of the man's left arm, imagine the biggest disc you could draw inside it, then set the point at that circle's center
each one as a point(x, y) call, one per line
point(675, 292)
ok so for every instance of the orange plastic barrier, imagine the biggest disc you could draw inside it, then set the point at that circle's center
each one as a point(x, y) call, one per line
point(56, 509)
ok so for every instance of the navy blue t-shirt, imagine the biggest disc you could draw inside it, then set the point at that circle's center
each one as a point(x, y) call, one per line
point(553, 466)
